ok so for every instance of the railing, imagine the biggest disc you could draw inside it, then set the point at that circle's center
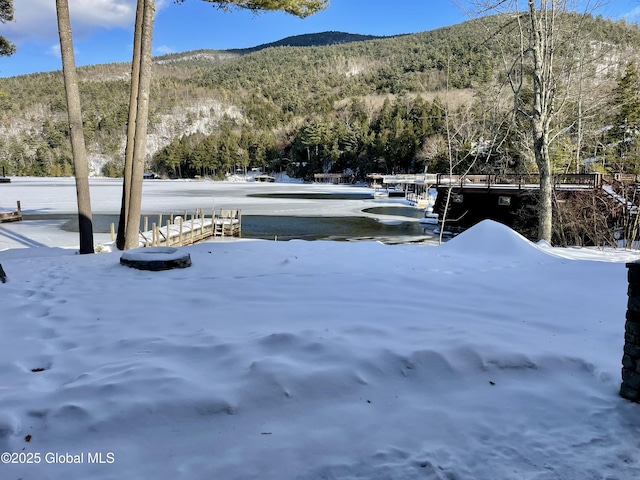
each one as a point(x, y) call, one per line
point(14, 216)
point(181, 230)
point(592, 180)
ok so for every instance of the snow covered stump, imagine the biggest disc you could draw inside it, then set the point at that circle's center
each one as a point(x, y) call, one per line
point(630, 388)
point(155, 258)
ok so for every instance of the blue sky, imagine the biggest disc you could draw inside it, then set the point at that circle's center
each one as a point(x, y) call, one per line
point(103, 29)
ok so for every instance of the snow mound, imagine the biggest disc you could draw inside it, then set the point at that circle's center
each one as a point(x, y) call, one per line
point(493, 238)
point(308, 360)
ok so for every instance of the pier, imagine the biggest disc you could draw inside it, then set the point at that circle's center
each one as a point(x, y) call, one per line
point(511, 199)
point(188, 229)
point(413, 187)
point(14, 216)
point(3, 178)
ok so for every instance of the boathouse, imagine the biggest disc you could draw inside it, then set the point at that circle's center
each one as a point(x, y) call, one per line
point(508, 199)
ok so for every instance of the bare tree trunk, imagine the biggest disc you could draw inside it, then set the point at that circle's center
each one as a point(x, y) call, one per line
point(140, 141)
point(74, 111)
point(542, 49)
point(579, 125)
point(545, 201)
point(131, 126)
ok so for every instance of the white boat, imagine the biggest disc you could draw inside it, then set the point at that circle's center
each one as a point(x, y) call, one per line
point(429, 218)
point(380, 193)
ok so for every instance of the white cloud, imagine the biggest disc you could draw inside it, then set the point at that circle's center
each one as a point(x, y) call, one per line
point(165, 50)
point(54, 51)
point(633, 15)
point(37, 18)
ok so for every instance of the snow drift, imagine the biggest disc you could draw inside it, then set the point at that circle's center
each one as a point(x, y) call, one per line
point(319, 360)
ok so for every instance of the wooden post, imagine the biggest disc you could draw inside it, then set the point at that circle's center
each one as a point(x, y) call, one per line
point(168, 237)
point(113, 232)
point(193, 225)
point(180, 234)
point(154, 235)
point(146, 224)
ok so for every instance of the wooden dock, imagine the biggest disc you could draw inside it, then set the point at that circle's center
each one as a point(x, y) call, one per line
point(189, 229)
point(14, 216)
point(469, 199)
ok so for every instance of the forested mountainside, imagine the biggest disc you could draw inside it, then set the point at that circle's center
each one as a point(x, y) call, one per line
point(310, 40)
point(345, 102)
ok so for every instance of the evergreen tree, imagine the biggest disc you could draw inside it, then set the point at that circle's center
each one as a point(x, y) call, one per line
point(627, 101)
point(626, 127)
point(6, 15)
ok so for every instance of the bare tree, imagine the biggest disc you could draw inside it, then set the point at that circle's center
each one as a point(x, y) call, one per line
point(138, 120)
point(74, 111)
point(538, 80)
point(131, 126)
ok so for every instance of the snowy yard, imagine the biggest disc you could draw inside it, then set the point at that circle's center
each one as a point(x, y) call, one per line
point(485, 358)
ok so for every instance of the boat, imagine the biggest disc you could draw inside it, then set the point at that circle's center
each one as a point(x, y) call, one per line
point(380, 192)
point(429, 218)
point(388, 192)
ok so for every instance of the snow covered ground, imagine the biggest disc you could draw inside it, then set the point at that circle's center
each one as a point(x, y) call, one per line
point(488, 357)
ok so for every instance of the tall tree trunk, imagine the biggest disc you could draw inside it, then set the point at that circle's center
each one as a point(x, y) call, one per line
point(74, 111)
point(131, 125)
point(140, 141)
point(545, 201)
point(542, 37)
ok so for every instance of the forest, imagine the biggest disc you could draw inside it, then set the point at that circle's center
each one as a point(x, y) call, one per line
point(434, 101)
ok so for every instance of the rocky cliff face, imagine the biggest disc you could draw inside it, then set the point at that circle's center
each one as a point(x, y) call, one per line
point(203, 117)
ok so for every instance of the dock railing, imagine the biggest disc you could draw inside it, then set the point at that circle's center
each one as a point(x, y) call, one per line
point(12, 216)
point(527, 181)
point(188, 229)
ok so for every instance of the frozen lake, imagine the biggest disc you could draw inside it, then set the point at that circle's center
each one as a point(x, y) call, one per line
point(272, 211)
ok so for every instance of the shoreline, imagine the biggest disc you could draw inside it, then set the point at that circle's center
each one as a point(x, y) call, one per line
point(54, 197)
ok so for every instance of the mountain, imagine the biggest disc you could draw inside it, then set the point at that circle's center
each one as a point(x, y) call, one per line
point(310, 40)
point(334, 101)
point(307, 40)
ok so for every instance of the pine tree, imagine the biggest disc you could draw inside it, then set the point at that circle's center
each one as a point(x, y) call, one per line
point(6, 15)
point(627, 100)
point(626, 126)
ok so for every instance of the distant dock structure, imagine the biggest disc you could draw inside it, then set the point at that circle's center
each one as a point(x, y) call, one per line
point(333, 178)
point(264, 178)
point(413, 187)
point(4, 178)
point(469, 199)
